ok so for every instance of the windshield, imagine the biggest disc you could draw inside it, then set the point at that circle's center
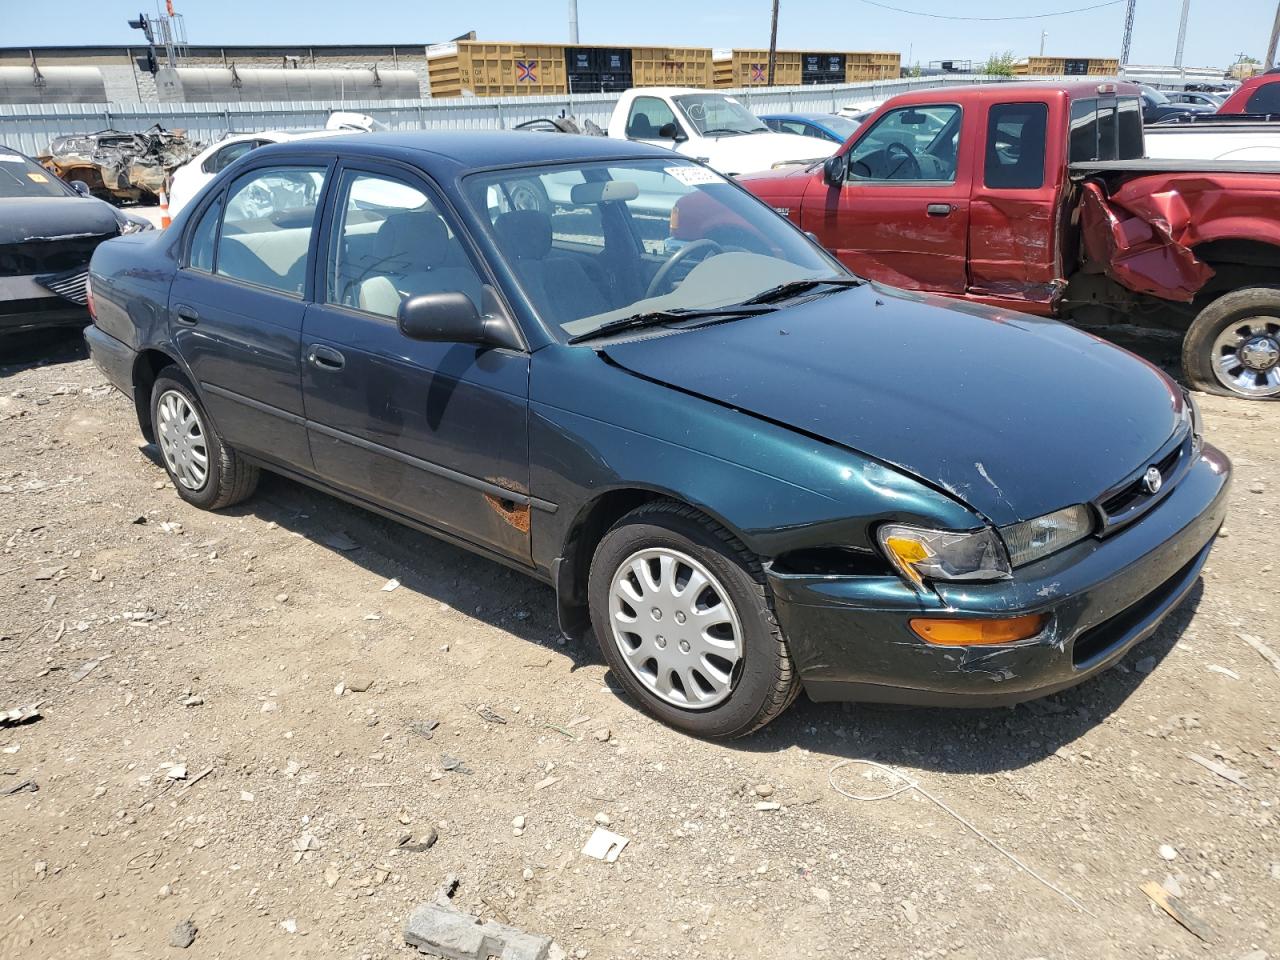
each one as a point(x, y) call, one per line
point(714, 113)
point(1156, 96)
point(840, 126)
point(20, 177)
point(595, 243)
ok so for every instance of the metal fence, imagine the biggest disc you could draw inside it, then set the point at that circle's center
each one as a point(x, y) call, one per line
point(30, 127)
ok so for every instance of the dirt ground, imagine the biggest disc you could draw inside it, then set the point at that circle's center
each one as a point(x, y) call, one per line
point(195, 761)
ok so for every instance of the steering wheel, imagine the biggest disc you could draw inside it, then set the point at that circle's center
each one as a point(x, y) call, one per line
point(708, 248)
point(904, 155)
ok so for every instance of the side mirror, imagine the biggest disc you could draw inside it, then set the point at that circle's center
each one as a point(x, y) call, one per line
point(835, 170)
point(80, 187)
point(672, 131)
point(442, 317)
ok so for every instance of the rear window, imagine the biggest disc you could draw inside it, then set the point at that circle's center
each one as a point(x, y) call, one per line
point(1266, 99)
point(1015, 146)
point(1106, 128)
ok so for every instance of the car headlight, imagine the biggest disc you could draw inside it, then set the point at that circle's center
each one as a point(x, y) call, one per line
point(128, 226)
point(919, 553)
point(1031, 540)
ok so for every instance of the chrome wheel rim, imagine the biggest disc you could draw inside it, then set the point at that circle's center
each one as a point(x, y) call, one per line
point(676, 628)
point(182, 440)
point(1246, 357)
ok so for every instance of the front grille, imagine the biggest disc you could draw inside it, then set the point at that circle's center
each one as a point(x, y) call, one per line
point(47, 256)
point(70, 286)
point(1130, 499)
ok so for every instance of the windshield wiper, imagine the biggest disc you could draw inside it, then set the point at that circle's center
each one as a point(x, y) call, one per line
point(793, 287)
point(657, 317)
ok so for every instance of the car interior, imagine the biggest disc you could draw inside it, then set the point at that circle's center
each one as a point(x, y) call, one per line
point(913, 143)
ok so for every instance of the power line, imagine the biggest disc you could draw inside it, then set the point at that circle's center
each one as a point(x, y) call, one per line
point(1027, 16)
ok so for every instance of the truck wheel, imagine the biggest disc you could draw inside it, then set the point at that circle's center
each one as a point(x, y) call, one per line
point(686, 623)
point(204, 470)
point(1233, 347)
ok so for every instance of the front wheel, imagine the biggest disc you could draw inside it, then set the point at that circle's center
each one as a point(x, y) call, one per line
point(1233, 346)
point(685, 621)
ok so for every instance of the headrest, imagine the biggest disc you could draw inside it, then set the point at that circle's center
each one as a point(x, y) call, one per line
point(526, 234)
point(418, 232)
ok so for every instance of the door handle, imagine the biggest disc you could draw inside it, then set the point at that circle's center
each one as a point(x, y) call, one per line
point(187, 316)
point(325, 358)
point(939, 209)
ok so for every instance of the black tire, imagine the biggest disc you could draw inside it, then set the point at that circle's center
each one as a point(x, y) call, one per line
point(765, 681)
point(1198, 345)
point(229, 478)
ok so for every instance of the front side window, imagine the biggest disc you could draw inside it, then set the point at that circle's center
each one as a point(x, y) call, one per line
point(267, 226)
point(715, 115)
point(1015, 146)
point(648, 115)
point(591, 243)
point(390, 244)
point(911, 143)
point(1266, 99)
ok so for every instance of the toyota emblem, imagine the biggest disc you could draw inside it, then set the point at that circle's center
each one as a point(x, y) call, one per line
point(1152, 480)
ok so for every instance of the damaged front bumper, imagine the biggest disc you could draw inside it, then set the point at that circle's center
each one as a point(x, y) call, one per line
point(30, 303)
point(851, 637)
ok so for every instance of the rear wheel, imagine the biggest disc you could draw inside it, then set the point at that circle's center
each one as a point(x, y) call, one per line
point(685, 621)
point(204, 470)
point(1233, 347)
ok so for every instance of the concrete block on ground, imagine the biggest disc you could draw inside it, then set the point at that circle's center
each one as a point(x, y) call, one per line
point(453, 935)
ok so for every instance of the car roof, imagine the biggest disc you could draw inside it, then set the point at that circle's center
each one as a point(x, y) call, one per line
point(473, 149)
point(1085, 89)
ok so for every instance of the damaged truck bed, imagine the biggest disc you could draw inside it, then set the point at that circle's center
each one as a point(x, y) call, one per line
point(1037, 198)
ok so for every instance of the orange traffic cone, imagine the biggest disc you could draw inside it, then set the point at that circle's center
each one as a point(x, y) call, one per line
point(164, 210)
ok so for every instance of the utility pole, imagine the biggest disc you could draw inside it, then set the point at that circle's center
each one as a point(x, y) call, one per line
point(1044, 35)
point(1182, 34)
point(773, 42)
point(1128, 33)
point(573, 21)
point(1271, 46)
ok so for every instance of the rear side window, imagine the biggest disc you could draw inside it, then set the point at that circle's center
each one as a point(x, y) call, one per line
point(1266, 99)
point(267, 225)
point(203, 236)
point(1015, 146)
point(1106, 128)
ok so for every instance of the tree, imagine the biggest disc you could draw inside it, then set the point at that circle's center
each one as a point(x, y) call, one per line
point(999, 65)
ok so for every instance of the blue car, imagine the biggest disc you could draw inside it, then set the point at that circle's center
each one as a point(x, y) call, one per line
point(821, 126)
point(745, 471)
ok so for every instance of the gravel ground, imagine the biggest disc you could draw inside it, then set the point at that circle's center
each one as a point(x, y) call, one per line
point(237, 731)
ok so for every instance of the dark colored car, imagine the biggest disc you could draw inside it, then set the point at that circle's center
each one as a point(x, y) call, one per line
point(1157, 107)
point(48, 231)
point(821, 126)
point(745, 469)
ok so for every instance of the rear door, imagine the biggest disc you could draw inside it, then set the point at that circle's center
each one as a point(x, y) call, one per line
point(435, 431)
point(902, 214)
point(237, 302)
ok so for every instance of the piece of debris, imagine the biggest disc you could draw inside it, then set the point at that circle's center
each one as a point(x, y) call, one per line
point(1266, 652)
point(546, 782)
point(20, 715)
point(768, 805)
point(340, 541)
point(193, 701)
point(442, 931)
point(82, 671)
point(289, 926)
point(424, 728)
point(605, 845)
point(1145, 665)
point(390, 585)
point(358, 684)
point(282, 598)
point(183, 935)
point(489, 716)
point(1167, 852)
point(764, 790)
point(1175, 908)
point(1225, 671)
point(425, 842)
point(453, 764)
point(306, 843)
point(49, 573)
point(176, 772)
point(604, 734)
point(446, 890)
point(1221, 769)
point(27, 786)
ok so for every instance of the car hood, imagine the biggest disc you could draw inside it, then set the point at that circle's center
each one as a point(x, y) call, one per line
point(1016, 416)
point(760, 151)
point(23, 219)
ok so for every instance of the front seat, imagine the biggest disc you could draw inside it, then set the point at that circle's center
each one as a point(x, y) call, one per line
point(641, 128)
point(557, 284)
point(415, 255)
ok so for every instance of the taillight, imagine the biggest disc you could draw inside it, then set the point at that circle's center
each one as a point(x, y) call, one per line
point(88, 299)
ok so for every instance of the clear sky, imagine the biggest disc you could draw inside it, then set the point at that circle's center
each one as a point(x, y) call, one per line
point(1217, 30)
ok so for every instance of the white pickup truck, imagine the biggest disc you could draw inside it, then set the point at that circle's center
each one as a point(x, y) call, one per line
point(712, 127)
point(1210, 139)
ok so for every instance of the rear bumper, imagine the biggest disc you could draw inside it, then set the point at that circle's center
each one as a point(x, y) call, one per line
point(115, 359)
point(851, 638)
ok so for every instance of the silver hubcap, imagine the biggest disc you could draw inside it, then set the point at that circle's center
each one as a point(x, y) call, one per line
point(1246, 357)
point(182, 440)
point(676, 628)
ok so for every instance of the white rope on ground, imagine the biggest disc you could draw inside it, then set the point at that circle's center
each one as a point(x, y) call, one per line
point(909, 784)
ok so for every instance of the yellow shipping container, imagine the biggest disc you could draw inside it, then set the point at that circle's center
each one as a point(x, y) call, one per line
point(750, 68)
point(671, 67)
point(473, 68)
point(872, 65)
point(1067, 66)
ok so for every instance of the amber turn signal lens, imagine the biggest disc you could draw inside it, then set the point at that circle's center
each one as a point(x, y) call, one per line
point(971, 633)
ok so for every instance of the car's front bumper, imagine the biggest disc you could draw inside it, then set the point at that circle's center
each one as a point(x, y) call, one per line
point(26, 304)
point(852, 641)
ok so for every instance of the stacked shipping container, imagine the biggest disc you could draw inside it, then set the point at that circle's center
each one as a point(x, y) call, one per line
point(1068, 66)
point(750, 68)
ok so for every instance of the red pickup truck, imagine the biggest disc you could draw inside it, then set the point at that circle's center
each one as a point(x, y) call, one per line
point(1037, 198)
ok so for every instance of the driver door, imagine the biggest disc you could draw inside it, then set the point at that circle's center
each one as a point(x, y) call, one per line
point(648, 115)
point(902, 214)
